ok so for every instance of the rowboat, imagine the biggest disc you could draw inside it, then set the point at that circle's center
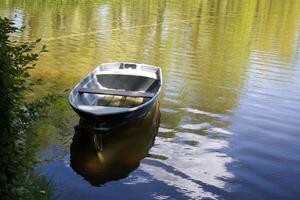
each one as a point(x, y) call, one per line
point(115, 92)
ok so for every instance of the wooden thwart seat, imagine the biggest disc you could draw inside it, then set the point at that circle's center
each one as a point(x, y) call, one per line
point(116, 92)
point(120, 101)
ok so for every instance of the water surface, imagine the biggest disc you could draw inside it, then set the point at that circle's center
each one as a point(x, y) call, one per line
point(230, 104)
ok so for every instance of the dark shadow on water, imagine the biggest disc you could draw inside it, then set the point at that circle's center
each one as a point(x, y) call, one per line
point(122, 149)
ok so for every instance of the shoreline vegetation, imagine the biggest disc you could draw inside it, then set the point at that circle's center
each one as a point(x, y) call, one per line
point(17, 145)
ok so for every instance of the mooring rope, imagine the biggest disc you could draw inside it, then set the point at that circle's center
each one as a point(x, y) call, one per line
point(115, 29)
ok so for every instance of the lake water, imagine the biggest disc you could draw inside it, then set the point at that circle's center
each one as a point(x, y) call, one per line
point(229, 119)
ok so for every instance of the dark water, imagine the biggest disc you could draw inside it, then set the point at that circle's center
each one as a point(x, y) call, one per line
point(229, 110)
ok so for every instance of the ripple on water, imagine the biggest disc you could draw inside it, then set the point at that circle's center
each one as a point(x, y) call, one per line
point(196, 126)
point(200, 112)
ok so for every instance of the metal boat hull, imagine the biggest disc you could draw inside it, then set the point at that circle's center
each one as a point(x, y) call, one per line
point(118, 118)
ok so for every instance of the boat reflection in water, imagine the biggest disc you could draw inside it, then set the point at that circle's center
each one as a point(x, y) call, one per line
point(122, 149)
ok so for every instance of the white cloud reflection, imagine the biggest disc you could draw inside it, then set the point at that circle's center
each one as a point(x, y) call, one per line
point(202, 162)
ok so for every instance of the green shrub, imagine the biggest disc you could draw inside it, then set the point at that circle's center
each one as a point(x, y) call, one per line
point(16, 161)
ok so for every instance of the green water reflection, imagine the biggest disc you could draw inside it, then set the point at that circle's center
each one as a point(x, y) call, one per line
point(197, 39)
